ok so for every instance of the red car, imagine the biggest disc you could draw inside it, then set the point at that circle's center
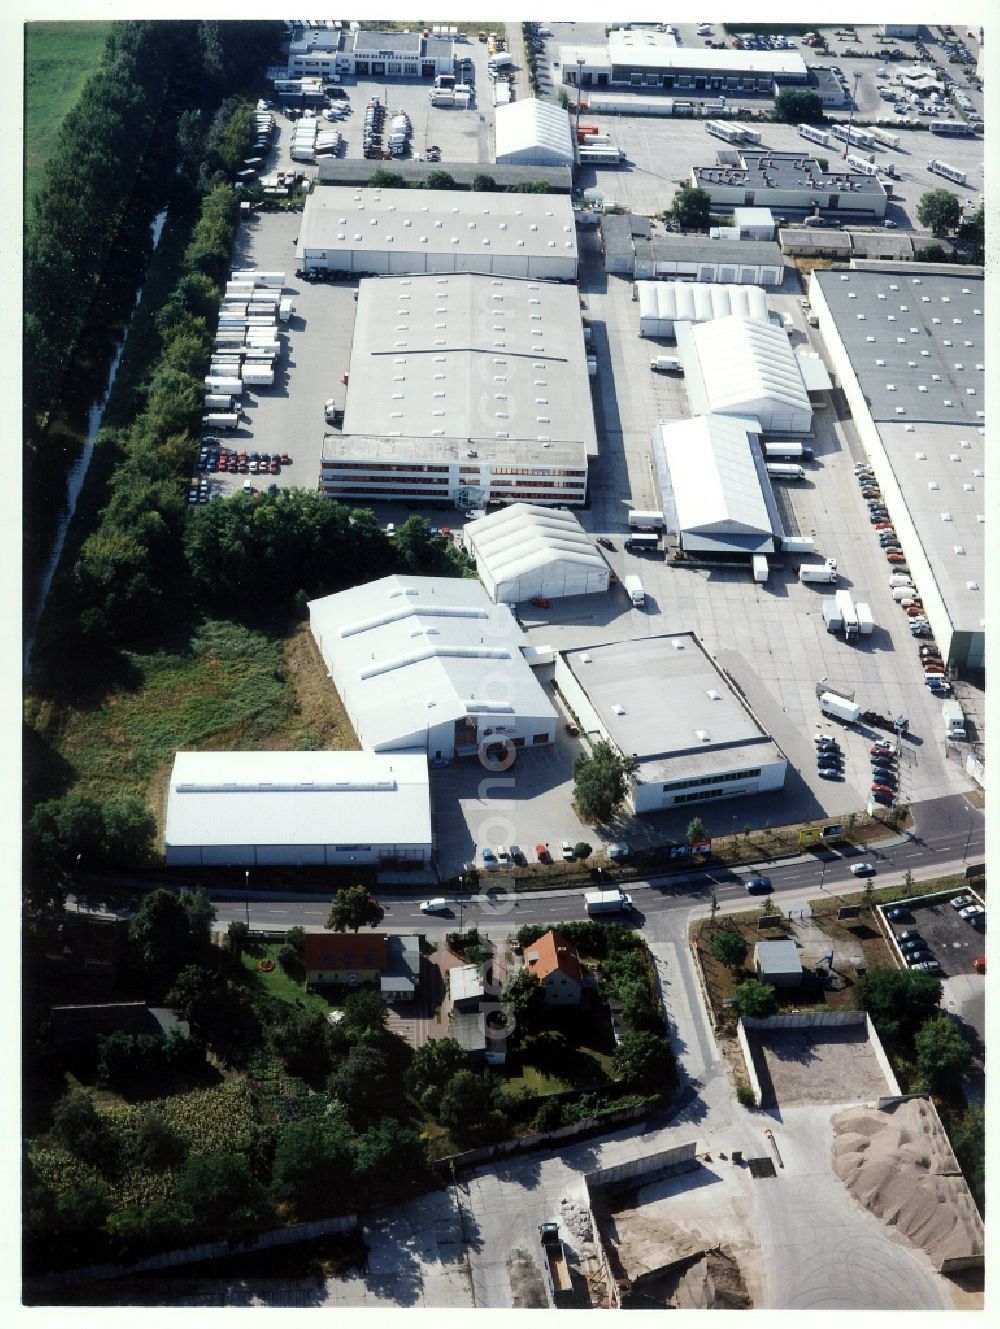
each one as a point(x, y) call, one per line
point(882, 749)
point(275, 468)
point(285, 459)
point(896, 558)
point(915, 610)
point(882, 789)
point(884, 526)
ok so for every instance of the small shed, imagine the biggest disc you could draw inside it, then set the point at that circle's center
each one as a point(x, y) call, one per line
point(778, 963)
point(753, 223)
point(465, 986)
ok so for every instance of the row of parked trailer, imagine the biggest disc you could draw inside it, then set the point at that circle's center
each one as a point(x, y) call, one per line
point(951, 173)
point(312, 138)
point(247, 343)
point(730, 133)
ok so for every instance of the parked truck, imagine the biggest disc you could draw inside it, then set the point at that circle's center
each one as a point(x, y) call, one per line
point(607, 902)
point(866, 623)
point(839, 707)
point(954, 719)
point(793, 451)
point(636, 591)
point(645, 521)
point(831, 614)
point(848, 614)
point(555, 1259)
point(665, 364)
point(781, 470)
point(221, 420)
point(822, 572)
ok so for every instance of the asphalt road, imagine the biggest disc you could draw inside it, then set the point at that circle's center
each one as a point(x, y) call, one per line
point(950, 833)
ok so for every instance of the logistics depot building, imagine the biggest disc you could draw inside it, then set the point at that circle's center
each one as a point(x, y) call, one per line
point(908, 347)
point(788, 182)
point(663, 702)
point(643, 59)
point(466, 390)
point(429, 665)
point(524, 551)
point(371, 231)
point(324, 808)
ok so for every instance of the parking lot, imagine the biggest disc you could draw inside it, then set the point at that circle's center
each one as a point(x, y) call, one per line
point(954, 942)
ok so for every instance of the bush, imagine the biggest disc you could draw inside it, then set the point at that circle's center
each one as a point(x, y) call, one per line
point(549, 1116)
point(729, 948)
point(582, 849)
point(745, 1096)
point(288, 958)
point(755, 999)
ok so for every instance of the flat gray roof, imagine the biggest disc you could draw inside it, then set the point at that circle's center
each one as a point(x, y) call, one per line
point(365, 40)
point(457, 355)
point(779, 957)
point(695, 248)
point(364, 448)
point(358, 171)
point(438, 221)
point(952, 457)
point(761, 168)
point(915, 339)
point(663, 700)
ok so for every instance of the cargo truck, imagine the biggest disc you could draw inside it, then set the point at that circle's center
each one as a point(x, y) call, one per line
point(607, 902)
point(866, 623)
point(221, 420)
point(793, 451)
point(821, 572)
point(231, 385)
point(258, 376)
point(645, 521)
point(555, 1260)
point(839, 707)
point(831, 614)
point(780, 470)
point(798, 544)
point(954, 719)
point(665, 364)
point(218, 401)
point(845, 606)
point(636, 592)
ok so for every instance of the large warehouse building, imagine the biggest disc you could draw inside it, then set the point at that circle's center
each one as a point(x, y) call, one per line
point(692, 738)
point(533, 133)
point(632, 250)
point(368, 231)
point(429, 665)
point(789, 182)
point(256, 808)
point(524, 551)
point(419, 422)
point(714, 491)
point(908, 347)
point(746, 367)
point(664, 303)
point(645, 60)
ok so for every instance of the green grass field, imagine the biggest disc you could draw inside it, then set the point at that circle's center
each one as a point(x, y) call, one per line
point(277, 983)
point(58, 60)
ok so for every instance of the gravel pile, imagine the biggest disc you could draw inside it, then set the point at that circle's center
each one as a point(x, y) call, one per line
point(576, 1220)
point(900, 1165)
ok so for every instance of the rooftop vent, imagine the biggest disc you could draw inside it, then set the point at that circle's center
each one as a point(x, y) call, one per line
point(920, 456)
point(959, 549)
point(946, 516)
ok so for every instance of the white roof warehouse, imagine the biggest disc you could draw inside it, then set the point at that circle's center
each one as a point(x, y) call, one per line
point(466, 389)
point(375, 231)
point(523, 551)
point(663, 701)
point(256, 808)
point(428, 664)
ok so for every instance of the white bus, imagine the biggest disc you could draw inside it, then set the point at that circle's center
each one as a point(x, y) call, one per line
point(815, 135)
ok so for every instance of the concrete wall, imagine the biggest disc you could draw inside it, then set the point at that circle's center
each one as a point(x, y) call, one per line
point(288, 1236)
point(741, 1037)
point(643, 1167)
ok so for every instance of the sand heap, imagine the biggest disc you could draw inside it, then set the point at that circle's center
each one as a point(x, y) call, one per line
point(899, 1164)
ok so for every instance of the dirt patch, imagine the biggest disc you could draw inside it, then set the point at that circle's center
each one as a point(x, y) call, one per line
point(708, 1282)
point(816, 1065)
point(528, 1291)
point(898, 1164)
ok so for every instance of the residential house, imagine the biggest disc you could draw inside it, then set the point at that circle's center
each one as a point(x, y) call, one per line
point(345, 958)
point(555, 962)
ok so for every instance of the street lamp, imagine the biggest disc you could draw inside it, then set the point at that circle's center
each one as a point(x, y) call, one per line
point(850, 118)
point(968, 838)
point(246, 879)
point(579, 93)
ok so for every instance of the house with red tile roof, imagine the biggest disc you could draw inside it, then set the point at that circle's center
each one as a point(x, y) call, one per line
point(346, 958)
point(555, 963)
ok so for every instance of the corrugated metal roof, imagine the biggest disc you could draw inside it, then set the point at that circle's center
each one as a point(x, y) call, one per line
point(297, 798)
point(533, 124)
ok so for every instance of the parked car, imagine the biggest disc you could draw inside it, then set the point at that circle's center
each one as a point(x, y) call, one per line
point(567, 851)
point(882, 789)
point(542, 853)
point(517, 854)
point(503, 856)
point(605, 543)
point(911, 934)
point(961, 901)
point(829, 772)
point(540, 602)
point(825, 740)
point(489, 859)
point(863, 869)
point(899, 914)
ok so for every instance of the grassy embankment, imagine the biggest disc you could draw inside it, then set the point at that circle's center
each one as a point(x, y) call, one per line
point(59, 58)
